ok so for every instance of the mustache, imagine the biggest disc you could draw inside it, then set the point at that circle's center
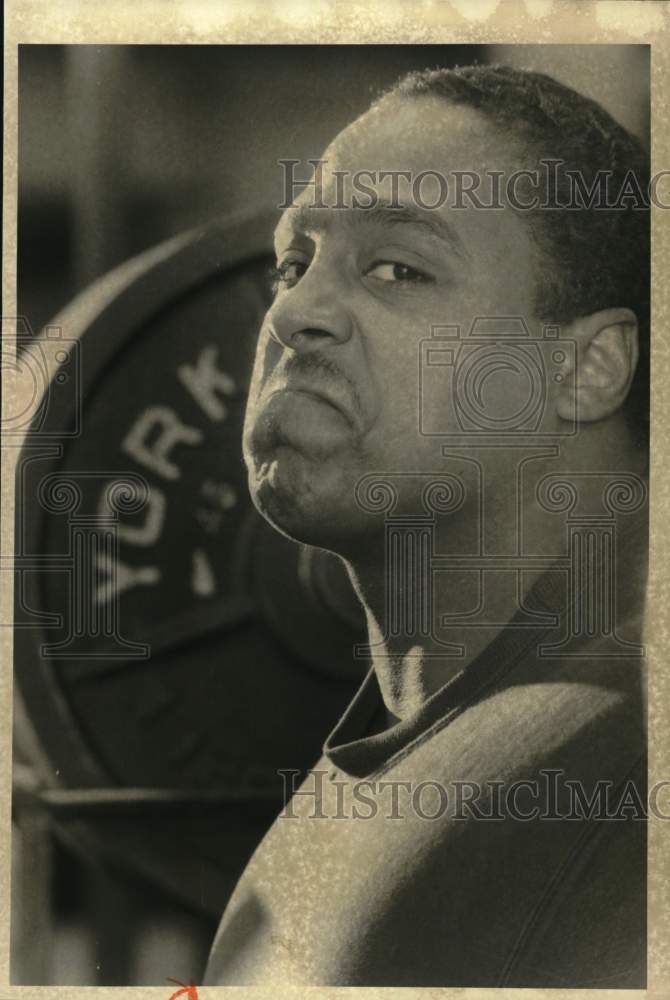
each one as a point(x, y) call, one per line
point(324, 370)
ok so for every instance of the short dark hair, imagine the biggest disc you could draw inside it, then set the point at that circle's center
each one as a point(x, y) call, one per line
point(598, 257)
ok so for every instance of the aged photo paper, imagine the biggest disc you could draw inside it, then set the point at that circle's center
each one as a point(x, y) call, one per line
point(334, 444)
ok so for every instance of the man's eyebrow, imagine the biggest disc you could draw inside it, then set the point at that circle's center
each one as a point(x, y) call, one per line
point(410, 215)
point(305, 219)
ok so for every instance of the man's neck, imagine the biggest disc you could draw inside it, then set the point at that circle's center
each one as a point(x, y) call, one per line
point(412, 664)
point(410, 669)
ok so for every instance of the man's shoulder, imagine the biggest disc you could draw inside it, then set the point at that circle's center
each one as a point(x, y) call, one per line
point(582, 715)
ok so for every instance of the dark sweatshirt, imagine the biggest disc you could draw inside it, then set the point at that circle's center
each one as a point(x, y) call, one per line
point(497, 838)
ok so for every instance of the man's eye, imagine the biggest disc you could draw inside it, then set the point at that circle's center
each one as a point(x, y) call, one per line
point(387, 270)
point(288, 273)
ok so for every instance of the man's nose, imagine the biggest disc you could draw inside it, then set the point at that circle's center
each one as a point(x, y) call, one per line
point(312, 313)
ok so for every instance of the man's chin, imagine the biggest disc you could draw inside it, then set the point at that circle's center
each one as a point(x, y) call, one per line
point(304, 500)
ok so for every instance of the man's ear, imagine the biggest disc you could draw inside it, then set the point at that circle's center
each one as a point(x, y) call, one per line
point(606, 358)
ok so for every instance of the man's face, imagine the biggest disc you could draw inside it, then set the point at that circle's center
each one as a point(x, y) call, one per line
point(335, 389)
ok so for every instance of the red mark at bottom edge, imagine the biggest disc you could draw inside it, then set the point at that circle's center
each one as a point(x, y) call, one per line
point(190, 990)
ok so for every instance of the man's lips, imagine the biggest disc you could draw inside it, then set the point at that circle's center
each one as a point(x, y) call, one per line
point(338, 399)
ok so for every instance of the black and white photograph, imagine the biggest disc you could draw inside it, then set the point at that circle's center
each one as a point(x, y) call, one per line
point(330, 527)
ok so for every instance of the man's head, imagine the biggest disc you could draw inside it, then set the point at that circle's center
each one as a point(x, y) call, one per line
point(363, 279)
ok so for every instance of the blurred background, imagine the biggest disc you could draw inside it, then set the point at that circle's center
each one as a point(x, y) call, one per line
point(121, 147)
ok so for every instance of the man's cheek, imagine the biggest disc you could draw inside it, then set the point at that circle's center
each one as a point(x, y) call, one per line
point(268, 353)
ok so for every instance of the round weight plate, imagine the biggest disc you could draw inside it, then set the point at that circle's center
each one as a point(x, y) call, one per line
point(167, 639)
